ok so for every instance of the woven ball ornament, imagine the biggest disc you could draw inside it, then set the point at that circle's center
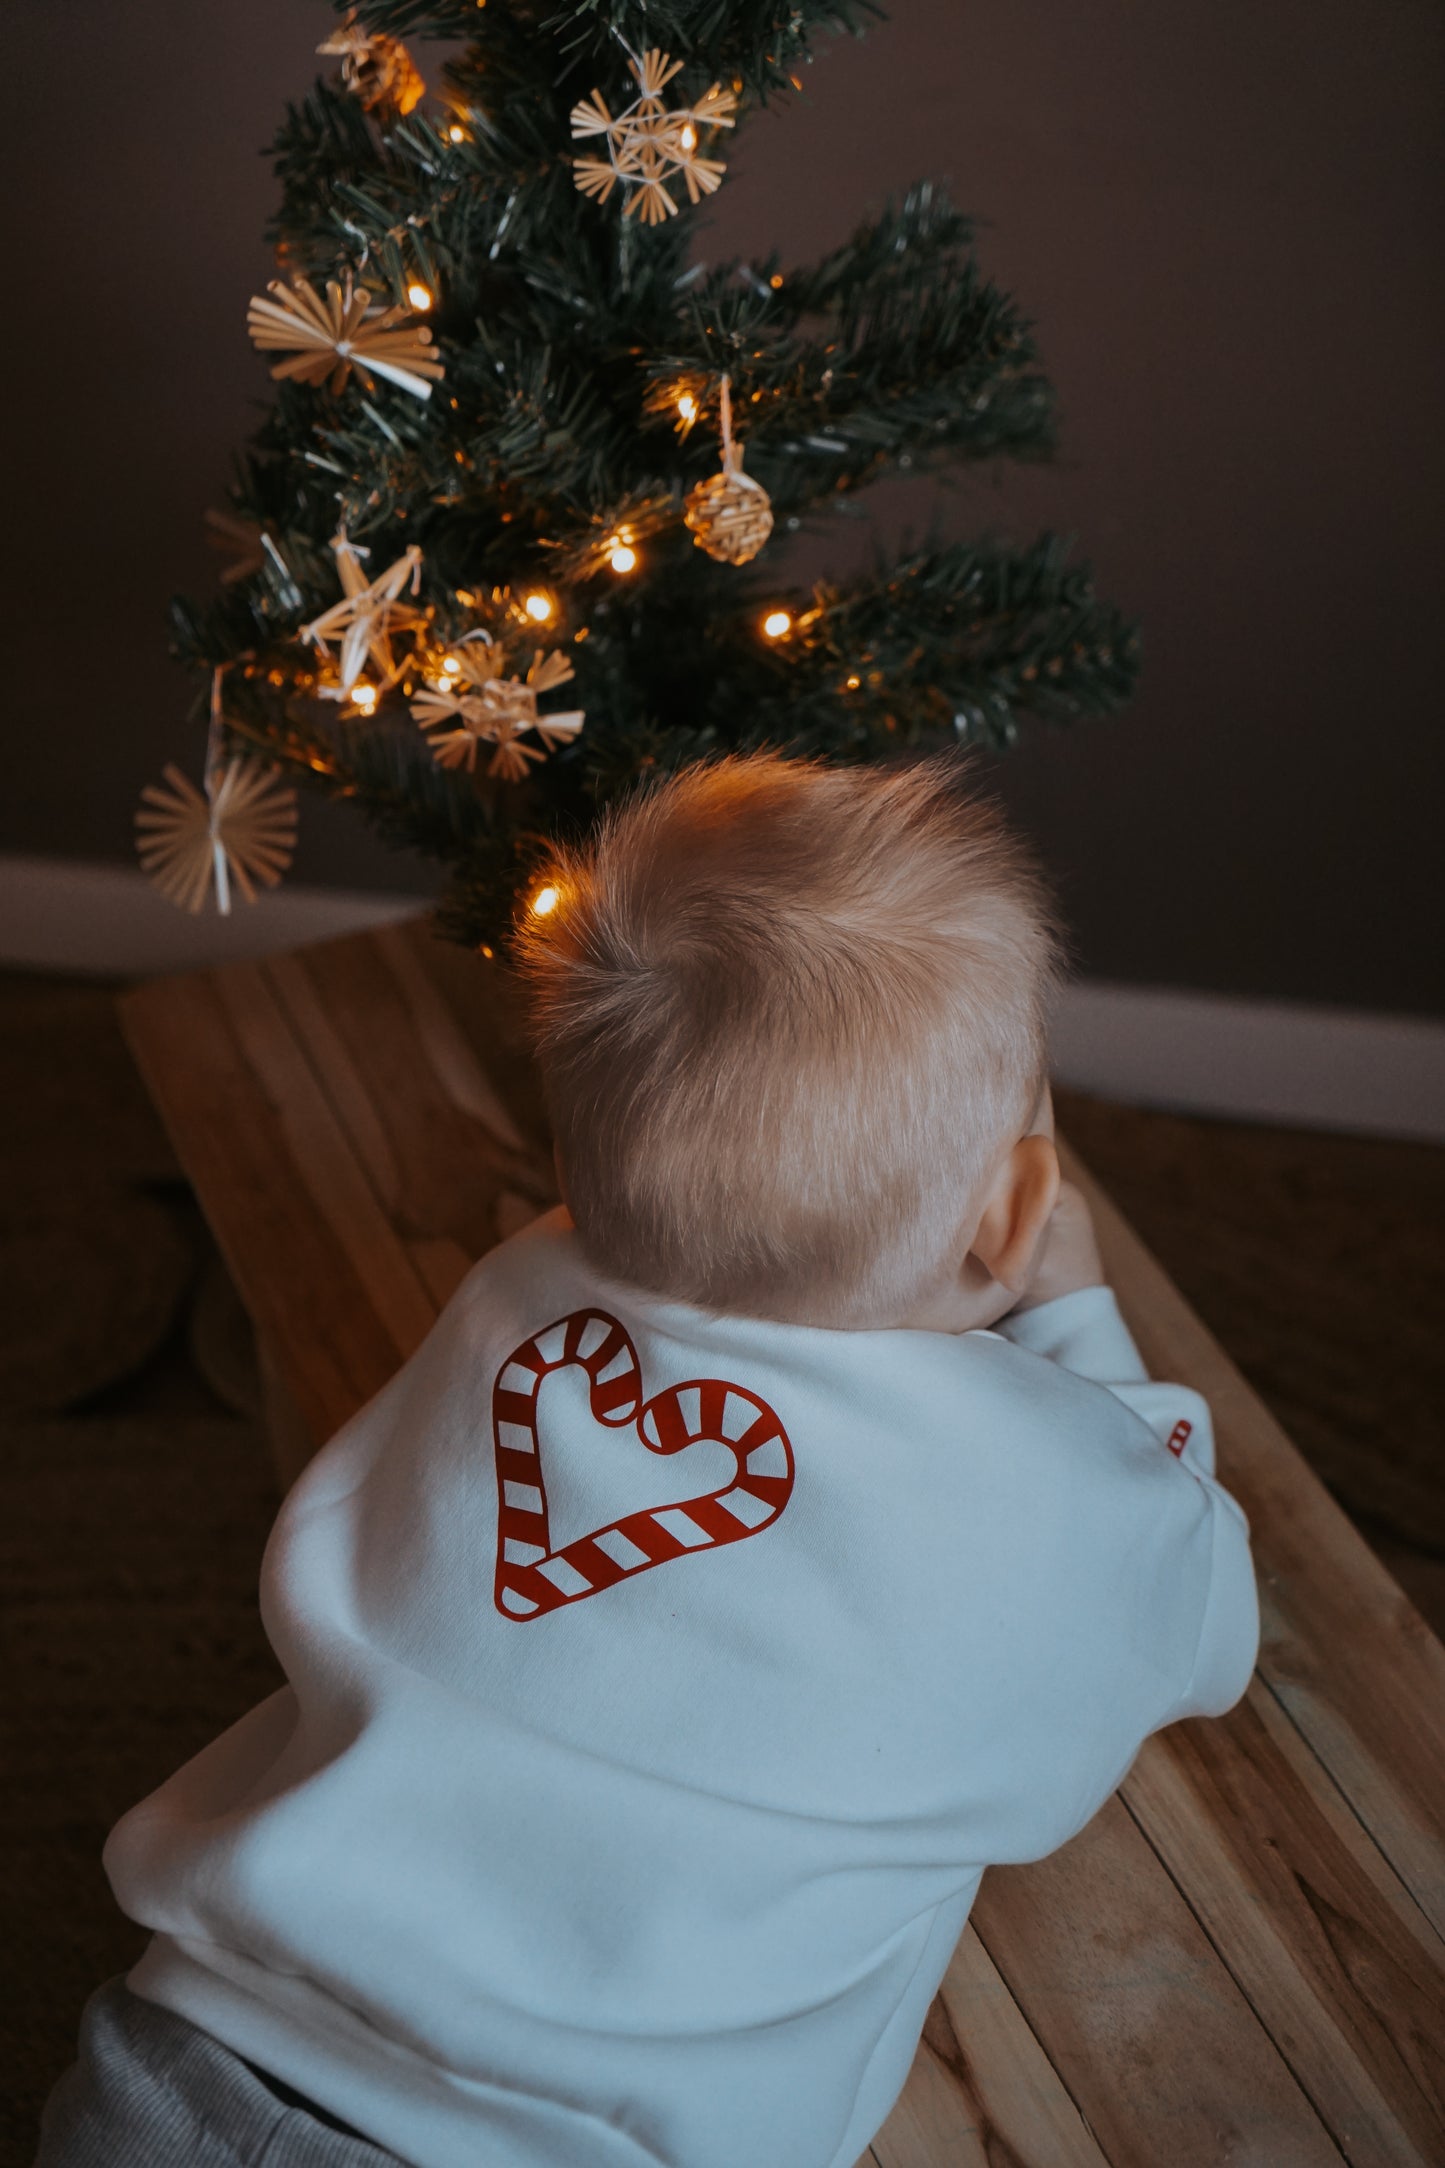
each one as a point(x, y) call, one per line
point(375, 68)
point(729, 515)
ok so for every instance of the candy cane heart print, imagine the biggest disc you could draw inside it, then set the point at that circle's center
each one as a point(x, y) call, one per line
point(533, 1577)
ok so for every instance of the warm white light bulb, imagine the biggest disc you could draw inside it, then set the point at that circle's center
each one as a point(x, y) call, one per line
point(456, 135)
point(687, 406)
point(688, 138)
point(623, 557)
point(538, 607)
point(418, 295)
point(776, 623)
point(544, 901)
point(364, 695)
point(450, 666)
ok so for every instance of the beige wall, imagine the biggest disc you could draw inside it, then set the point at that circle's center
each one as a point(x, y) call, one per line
point(1221, 218)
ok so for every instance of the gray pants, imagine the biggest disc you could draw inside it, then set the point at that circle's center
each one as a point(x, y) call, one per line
point(151, 2090)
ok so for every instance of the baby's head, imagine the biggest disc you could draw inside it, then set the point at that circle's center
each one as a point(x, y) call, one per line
point(791, 1026)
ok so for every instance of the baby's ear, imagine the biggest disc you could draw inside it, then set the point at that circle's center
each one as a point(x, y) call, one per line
point(1017, 1211)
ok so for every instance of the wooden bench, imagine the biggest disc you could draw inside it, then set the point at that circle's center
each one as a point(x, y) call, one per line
point(1240, 1959)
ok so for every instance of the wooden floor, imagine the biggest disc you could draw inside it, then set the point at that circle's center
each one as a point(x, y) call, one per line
point(131, 1524)
point(1240, 1958)
point(1319, 1261)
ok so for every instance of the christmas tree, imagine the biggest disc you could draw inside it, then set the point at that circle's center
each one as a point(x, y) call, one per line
point(502, 544)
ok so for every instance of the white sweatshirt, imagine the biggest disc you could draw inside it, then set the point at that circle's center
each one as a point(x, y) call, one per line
point(660, 1686)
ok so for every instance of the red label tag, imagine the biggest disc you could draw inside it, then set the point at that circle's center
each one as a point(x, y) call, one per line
point(1179, 1437)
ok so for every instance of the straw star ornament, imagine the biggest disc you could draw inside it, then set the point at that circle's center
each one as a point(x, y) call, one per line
point(647, 145)
point(366, 617)
point(240, 826)
point(476, 705)
point(327, 339)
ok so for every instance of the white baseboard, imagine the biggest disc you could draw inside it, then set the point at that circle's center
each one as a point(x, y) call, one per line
point(73, 914)
point(1257, 1061)
point(1309, 1067)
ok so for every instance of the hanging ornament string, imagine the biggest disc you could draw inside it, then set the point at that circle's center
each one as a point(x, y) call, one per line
point(730, 515)
point(211, 775)
point(328, 339)
point(375, 68)
point(242, 824)
point(646, 145)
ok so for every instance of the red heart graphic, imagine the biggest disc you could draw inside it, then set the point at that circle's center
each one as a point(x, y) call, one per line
point(533, 1578)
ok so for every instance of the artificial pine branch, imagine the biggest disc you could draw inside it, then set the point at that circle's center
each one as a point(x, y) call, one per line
point(580, 405)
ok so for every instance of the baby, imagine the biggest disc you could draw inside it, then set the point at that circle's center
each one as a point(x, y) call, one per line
point(758, 1548)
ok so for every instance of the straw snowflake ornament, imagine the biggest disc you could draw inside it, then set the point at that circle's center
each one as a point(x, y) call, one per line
point(647, 145)
point(241, 826)
point(239, 541)
point(366, 617)
point(327, 339)
point(474, 704)
point(375, 68)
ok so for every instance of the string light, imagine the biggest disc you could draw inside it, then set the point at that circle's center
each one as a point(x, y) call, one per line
point(688, 138)
point(363, 696)
point(776, 280)
point(687, 406)
point(539, 607)
point(459, 135)
point(451, 666)
point(852, 684)
point(544, 901)
point(418, 295)
point(776, 623)
point(620, 554)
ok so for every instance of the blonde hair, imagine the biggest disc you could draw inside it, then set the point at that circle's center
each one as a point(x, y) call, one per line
point(788, 1016)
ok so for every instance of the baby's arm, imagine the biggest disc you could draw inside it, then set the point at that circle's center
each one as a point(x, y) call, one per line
point(1069, 1315)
